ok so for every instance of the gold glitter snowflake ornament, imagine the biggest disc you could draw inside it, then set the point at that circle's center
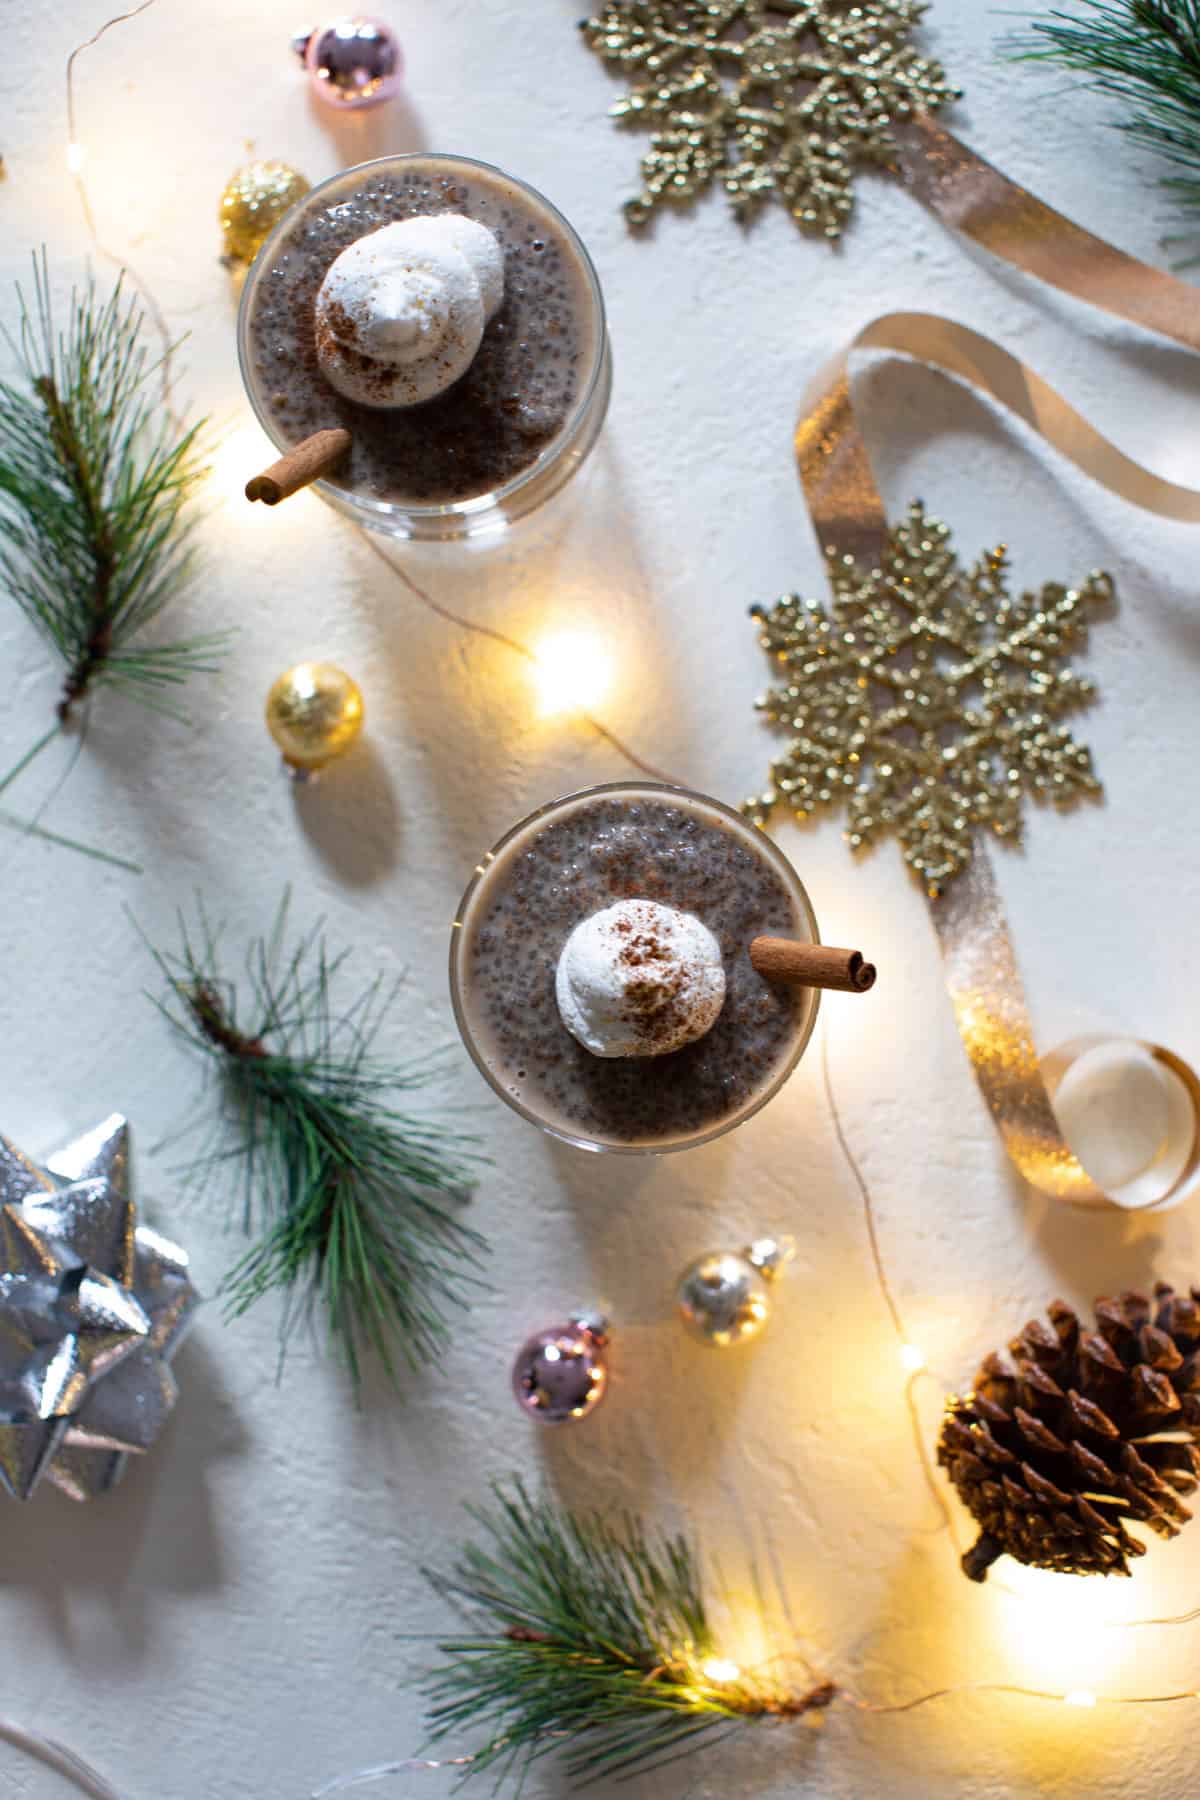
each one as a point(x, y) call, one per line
point(786, 98)
point(926, 698)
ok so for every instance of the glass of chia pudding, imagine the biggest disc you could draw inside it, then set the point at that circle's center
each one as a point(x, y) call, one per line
point(450, 319)
point(600, 969)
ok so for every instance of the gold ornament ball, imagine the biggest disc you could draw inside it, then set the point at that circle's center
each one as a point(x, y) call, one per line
point(255, 199)
point(314, 713)
point(723, 1299)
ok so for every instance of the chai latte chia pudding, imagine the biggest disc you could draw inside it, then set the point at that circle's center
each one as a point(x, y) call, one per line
point(444, 314)
point(601, 974)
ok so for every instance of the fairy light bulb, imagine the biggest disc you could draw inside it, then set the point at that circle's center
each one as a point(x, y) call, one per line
point(720, 1672)
point(572, 671)
point(76, 157)
point(1079, 1697)
point(913, 1358)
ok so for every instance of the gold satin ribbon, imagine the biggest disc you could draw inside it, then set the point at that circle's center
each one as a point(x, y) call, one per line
point(982, 975)
point(985, 988)
point(971, 196)
point(839, 483)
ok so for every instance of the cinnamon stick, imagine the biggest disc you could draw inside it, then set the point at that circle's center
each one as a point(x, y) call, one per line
point(306, 461)
point(812, 965)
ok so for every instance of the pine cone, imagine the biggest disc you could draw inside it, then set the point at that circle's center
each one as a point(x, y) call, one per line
point(1080, 1431)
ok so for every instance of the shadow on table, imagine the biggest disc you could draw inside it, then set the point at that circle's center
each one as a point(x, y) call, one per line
point(1141, 350)
point(350, 817)
point(1176, 613)
point(1101, 1250)
point(97, 1569)
point(394, 128)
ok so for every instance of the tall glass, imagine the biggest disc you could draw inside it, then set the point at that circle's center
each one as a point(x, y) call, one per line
point(492, 193)
point(517, 858)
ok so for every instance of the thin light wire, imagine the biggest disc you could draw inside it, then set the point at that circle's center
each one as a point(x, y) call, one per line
point(1177, 1619)
point(1025, 1693)
point(885, 1289)
point(381, 1771)
point(79, 50)
point(927, 1468)
point(518, 649)
point(157, 316)
point(60, 1758)
point(868, 1205)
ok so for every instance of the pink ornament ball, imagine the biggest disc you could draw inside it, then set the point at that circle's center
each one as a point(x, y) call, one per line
point(353, 62)
point(561, 1374)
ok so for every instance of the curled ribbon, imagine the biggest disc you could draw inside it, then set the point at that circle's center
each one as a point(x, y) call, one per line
point(971, 196)
point(58, 1757)
point(982, 975)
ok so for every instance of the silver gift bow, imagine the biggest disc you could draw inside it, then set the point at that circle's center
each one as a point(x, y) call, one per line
point(93, 1307)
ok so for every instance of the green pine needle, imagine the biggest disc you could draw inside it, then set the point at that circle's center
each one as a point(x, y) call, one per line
point(31, 828)
point(591, 1641)
point(1146, 54)
point(356, 1200)
point(95, 479)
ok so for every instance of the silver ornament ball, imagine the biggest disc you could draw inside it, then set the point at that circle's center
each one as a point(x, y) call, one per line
point(724, 1298)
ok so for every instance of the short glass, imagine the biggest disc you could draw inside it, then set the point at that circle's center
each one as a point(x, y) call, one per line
point(554, 465)
point(476, 903)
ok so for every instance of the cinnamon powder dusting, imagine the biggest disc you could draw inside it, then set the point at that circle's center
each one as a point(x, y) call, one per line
point(655, 1009)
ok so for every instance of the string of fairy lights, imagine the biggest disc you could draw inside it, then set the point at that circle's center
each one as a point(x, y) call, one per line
point(571, 677)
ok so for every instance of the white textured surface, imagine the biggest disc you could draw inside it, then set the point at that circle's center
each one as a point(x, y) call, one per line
point(235, 1623)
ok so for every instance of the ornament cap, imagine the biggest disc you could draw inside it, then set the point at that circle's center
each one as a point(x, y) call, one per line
point(771, 1256)
point(596, 1324)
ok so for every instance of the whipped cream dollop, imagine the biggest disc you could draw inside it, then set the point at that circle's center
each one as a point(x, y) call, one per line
point(401, 312)
point(639, 979)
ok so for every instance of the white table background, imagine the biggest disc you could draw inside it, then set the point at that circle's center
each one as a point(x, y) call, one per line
point(234, 1622)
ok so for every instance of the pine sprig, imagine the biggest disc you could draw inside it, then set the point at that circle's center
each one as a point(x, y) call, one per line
point(1146, 54)
point(593, 1640)
point(356, 1200)
point(95, 479)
